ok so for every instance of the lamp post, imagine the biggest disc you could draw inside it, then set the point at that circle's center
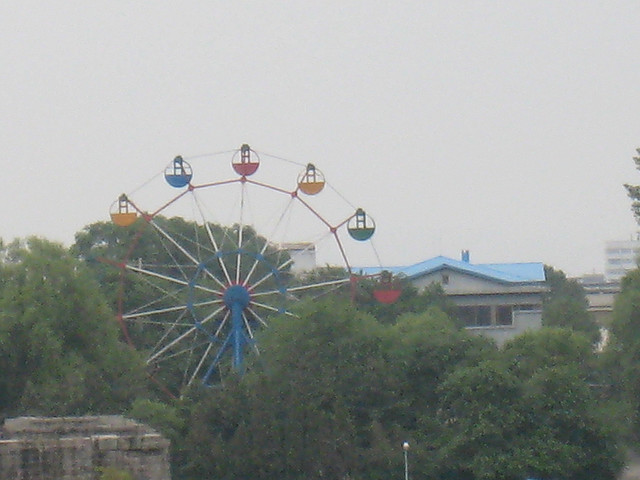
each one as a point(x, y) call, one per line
point(405, 448)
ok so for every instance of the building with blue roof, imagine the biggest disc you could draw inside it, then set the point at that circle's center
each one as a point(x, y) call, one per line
point(499, 300)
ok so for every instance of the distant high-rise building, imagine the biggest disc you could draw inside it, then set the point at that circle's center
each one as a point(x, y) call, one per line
point(620, 257)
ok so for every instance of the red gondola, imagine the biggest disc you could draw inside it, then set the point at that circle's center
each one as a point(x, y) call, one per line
point(246, 165)
point(386, 291)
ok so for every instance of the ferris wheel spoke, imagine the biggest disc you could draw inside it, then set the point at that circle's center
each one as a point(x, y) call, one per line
point(312, 286)
point(172, 327)
point(266, 293)
point(147, 313)
point(240, 232)
point(177, 353)
point(211, 316)
point(256, 262)
point(247, 326)
point(157, 303)
point(169, 331)
point(141, 321)
point(167, 295)
point(168, 278)
point(184, 335)
point(196, 371)
point(258, 317)
point(185, 252)
point(272, 308)
point(280, 221)
point(265, 277)
point(212, 238)
point(151, 273)
point(169, 345)
point(285, 264)
point(140, 313)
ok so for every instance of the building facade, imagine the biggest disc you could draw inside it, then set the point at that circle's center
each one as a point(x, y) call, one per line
point(620, 257)
point(500, 301)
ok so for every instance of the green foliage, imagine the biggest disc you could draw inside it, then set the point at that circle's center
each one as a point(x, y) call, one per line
point(622, 356)
point(411, 300)
point(565, 305)
point(164, 417)
point(540, 420)
point(336, 392)
point(547, 348)
point(59, 347)
point(564, 437)
point(479, 421)
point(425, 348)
point(633, 191)
point(113, 473)
point(337, 388)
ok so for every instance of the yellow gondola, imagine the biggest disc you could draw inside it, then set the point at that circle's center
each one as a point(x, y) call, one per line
point(121, 214)
point(311, 181)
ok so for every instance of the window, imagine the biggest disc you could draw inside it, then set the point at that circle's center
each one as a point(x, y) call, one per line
point(445, 279)
point(504, 315)
point(527, 307)
point(491, 316)
point(476, 316)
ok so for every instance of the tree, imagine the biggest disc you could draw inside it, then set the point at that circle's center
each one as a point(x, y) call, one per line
point(411, 300)
point(563, 433)
point(565, 305)
point(533, 351)
point(296, 413)
point(622, 355)
point(501, 419)
point(338, 387)
point(424, 348)
point(634, 190)
point(567, 428)
point(480, 423)
point(59, 347)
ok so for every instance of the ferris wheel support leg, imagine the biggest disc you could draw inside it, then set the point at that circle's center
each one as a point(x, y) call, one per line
point(216, 360)
point(238, 336)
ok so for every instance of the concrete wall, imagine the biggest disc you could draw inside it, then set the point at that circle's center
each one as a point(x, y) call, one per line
point(76, 448)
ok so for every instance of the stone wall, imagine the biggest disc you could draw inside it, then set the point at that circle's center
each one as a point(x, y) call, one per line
point(76, 448)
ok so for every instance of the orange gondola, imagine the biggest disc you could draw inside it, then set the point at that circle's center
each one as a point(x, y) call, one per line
point(121, 212)
point(311, 181)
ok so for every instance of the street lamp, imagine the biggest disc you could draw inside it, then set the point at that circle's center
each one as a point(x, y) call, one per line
point(405, 448)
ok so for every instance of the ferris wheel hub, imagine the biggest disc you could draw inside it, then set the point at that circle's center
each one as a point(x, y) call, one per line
point(236, 296)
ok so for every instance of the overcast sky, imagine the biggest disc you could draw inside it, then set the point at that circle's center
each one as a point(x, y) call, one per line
point(504, 128)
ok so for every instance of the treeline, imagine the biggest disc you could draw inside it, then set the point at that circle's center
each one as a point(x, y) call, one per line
point(338, 388)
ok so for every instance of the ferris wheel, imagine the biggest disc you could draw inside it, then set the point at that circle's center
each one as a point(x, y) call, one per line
point(222, 252)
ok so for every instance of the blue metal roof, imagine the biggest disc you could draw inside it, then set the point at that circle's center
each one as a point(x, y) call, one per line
point(502, 272)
